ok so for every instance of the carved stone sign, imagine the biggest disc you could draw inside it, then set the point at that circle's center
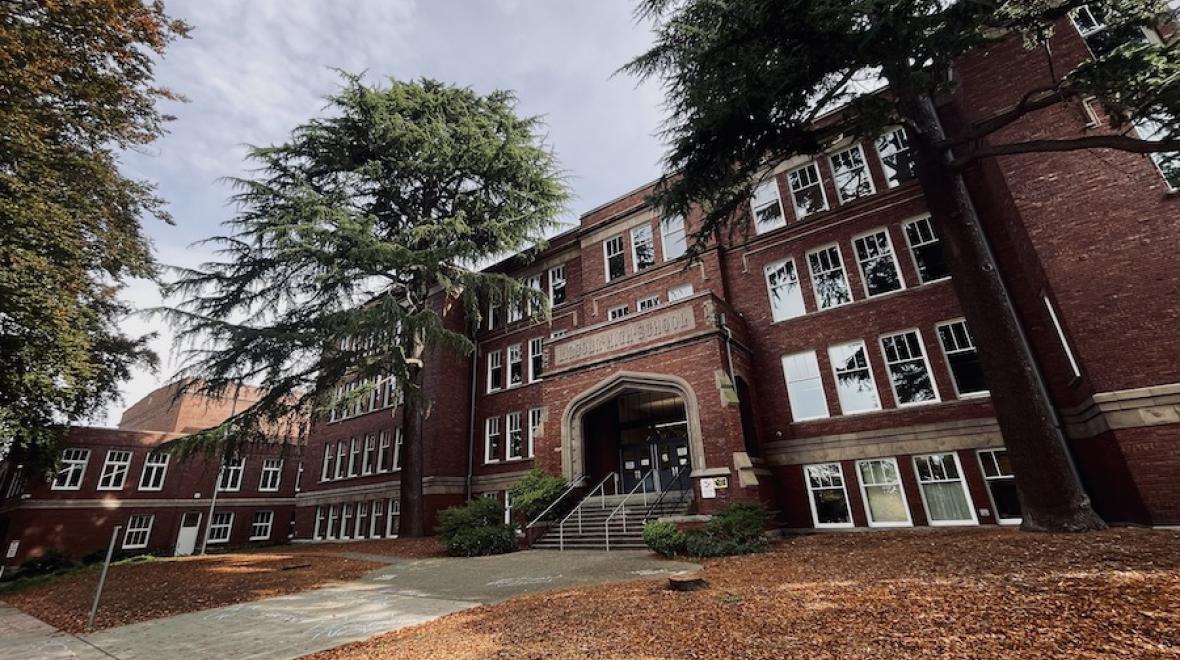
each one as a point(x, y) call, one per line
point(627, 335)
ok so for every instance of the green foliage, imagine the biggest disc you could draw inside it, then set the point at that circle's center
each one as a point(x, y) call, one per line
point(475, 529)
point(50, 562)
point(736, 530)
point(536, 490)
point(77, 87)
point(664, 538)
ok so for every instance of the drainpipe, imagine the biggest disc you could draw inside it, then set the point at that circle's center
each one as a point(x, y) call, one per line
point(471, 415)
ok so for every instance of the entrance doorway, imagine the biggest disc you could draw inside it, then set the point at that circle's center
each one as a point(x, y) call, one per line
point(643, 436)
point(186, 540)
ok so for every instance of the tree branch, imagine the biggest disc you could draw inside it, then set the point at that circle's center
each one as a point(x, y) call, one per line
point(1036, 99)
point(1117, 142)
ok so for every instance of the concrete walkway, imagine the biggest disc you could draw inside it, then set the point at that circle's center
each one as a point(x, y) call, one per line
point(404, 593)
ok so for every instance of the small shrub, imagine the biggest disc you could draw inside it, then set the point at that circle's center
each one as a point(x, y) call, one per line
point(50, 562)
point(663, 538)
point(743, 522)
point(476, 528)
point(480, 541)
point(536, 490)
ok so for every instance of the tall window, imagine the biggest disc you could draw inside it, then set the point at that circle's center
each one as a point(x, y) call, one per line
point(346, 520)
point(557, 285)
point(878, 266)
point(231, 475)
point(515, 436)
point(828, 279)
point(495, 371)
point(377, 522)
point(326, 467)
point(495, 315)
point(1001, 485)
point(383, 449)
point(959, 349)
point(532, 282)
point(782, 283)
point(828, 495)
point(909, 370)
point(536, 417)
point(491, 441)
point(805, 387)
point(341, 459)
point(679, 292)
point(318, 532)
point(612, 252)
point(368, 461)
point(855, 385)
point(536, 358)
point(354, 457)
point(398, 454)
point(260, 525)
point(155, 465)
point(392, 523)
point(944, 493)
point(853, 180)
point(807, 190)
point(896, 158)
point(643, 247)
point(515, 366)
point(767, 208)
point(114, 470)
point(139, 530)
point(515, 310)
point(672, 237)
point(73, 467)
point(220, 526)
point(333, 516)
point(362, 519)
point(272, 474)
point(926, 250)
point(885, 502)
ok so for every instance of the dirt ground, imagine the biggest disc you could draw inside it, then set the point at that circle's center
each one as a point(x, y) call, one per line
point(898, 594)
point(152, 589)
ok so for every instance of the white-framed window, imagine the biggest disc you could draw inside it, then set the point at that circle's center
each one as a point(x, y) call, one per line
point(73, 468)
point(536, 418)
point(368, 460)
point(679, 292)
point(515, 436)
point(495, 315)
point(851, 172)
point(346, 520)
point(495, 371)
point(383, 448)
point(231, 475)
point(326, 466)
point(557, 285)
point(362, 519)
point(616, 313)
point(341, 459)
point(896, 158)
point(114, 470)
point(272, 475)
point(828, 495)
point(532, 282)
point(807, 190)
point(958, 347)
point(1001, 485)
point(1167, 162)
point(1102, 39)
point(389, 393)
point(558, 334)
point(317, 532)
point(333, 516)
point(909, 370)
point(155, 467)
point(392, 522)
point(878, 263)
point(673, 238)
point(515, 366)
point(613, 259)
point(507, 507)
point(377, 521)
point(782, 285)
point(399, 456)
point(805, 387)
point(1075, 370)
point(855, 385)
point(299, 477)
point(767, 207)
point(260, 525)
point(926, 250)
point(828, 279)
point(943, 489)
point(491, 440)
point(515, 310)
point(220, 526)
point(139, 531)
point(354, 457)
point(643, 247)
point(536, 358)
point(649, 302)
point(883, 494)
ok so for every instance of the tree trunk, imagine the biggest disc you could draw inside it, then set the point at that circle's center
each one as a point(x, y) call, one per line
point(1051, 493)
point(412, 523)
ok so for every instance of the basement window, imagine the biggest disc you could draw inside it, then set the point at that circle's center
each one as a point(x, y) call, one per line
point(828, 495)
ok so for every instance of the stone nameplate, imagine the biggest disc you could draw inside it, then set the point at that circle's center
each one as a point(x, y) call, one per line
point(611, 340)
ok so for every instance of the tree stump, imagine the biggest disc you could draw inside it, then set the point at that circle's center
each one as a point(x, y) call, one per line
point(689, 582)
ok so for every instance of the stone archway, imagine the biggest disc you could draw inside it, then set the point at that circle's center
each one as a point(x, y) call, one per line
point(573, 445)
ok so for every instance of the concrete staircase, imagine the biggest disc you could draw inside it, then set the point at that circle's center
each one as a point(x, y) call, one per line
point(596, 509)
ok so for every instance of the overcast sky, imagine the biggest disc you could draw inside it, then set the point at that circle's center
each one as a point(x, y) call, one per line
point(252, 70)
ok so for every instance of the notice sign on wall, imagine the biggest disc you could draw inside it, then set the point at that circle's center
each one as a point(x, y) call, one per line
point(708, 489)
point(12, 548)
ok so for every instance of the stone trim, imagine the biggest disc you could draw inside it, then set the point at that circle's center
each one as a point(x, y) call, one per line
point(914, 439)
point(501, 481)
point(175, 503)
point(1123, 409)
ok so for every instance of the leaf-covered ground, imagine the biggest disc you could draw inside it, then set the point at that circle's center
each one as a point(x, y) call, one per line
point(147, 590)
point(915, 593)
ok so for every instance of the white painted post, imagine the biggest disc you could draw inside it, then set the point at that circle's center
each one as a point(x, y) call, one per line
point(102, 578)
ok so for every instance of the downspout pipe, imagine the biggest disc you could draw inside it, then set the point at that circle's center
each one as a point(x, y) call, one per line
point(471, 415)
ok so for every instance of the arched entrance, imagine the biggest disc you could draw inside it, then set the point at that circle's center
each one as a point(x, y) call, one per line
point(644, 427)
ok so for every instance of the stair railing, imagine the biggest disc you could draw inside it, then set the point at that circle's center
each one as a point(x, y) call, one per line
point(573, 485)
point(623, 505)
point(599, 488)
point(683, 491)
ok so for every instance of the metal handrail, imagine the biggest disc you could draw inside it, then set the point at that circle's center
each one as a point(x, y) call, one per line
point(623, 505)
point(574, 483)
point(681, 473)
point(601, 485)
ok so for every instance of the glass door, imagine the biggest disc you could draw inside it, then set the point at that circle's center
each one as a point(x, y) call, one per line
point(636, 461)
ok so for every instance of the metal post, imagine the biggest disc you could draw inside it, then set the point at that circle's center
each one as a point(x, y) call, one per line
point(102, 578)
point(212, 505)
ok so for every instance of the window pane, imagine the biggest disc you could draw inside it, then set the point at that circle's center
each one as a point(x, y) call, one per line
point(805, 390)
point(877, 265)
point(767, 209)
point(786, 298)
point(643, 247)
point(854, 379)
point(896, 158)
point(828, 278)
point(852, 175)
point(884, 498)
point(675, 244)
point(927, 250)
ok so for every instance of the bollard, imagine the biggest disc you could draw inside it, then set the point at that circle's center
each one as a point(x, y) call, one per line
point(102, 578)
